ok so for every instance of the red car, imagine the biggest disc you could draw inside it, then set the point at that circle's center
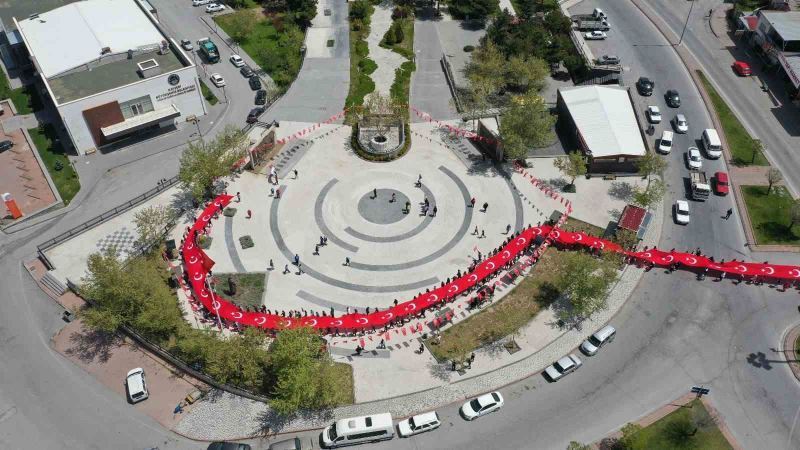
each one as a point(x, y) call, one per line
point(721, 185)
point(742, 69)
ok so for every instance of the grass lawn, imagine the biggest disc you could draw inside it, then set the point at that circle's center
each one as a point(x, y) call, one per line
point(742, 145)
point(406, 47)
point(572, 224)
point(502, 318)
point(249, 287)
point(274, 44)
point(360, 65)
point(343, 374)
point(769, 215)
point(66, 180)
point(25, 99)
point(402, 84)
point(208, 95)
point(661, 435)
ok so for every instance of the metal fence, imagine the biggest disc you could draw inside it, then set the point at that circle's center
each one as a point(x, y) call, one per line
point(448, 74)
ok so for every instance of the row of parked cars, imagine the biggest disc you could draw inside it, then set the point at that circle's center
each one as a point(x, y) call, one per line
point(211, 7)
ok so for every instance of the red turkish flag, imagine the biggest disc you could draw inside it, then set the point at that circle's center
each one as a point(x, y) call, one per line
point(208, 263)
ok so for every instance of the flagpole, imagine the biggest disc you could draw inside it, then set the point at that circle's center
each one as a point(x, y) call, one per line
point(213, 302)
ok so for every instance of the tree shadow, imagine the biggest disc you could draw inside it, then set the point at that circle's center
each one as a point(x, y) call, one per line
point(621, 190)
point(777, 232)
point(558, 183)
point(440, 370)
point(270, 423)
point(93, 346)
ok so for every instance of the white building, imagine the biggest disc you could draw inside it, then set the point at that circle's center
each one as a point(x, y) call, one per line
point(111, 71)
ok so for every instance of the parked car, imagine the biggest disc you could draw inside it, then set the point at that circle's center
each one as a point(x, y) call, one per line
point(236, 60)
point(255, 83)
point(608, 60)
point(721, 186)
point(595, 35)
point(261, 97)
point(645, 86)
point(563, 367)
point(742, 69)
point(680, 124)
point(254, 114)
point(693, 158)
point(215, 7)
point(5, 145)
point(665, 143)
point(228, 446)
point(288, 444)
point(602, 337)
point(682, 212)
point(137, 385)
point(246, 71)
point(419, 424)
point(480, 406)
point(673, 98)
point(187, 45)
point(217, 80)
point(653, 114)
point(200, 2)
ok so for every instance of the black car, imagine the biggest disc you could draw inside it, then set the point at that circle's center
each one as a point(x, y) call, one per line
point(645, 86)
point(255, 83)
point(5, 145)
point(246, 71)
point(228, 446)
point(261, 97)
point(673, 98)
point(254, 113)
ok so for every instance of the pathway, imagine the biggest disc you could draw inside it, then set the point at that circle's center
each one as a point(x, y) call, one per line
point(387, 60)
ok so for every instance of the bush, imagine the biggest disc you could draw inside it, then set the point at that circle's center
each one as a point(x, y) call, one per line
point(360, 10)
point(398, 32)
point(389, 39)
point(246, 241)
point(229, 212)
point(469, 48)
point(367, 66)
point(399, 13)
point(204, 241)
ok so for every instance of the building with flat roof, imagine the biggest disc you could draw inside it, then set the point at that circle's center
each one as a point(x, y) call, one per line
point(777, 35)
point(603, 122)
point(111, 71)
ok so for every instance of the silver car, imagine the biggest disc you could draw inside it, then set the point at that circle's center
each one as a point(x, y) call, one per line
point(562, 367)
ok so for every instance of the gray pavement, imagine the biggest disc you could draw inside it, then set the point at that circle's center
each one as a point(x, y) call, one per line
point(429, 90)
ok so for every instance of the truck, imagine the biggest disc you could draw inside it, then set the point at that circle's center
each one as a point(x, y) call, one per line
point(597, 14)
point(208, 50)
point(701, 189)
point(591, 25)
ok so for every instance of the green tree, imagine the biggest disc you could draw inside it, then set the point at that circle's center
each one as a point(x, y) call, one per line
point(794, 213)
point(473, 9)
point(584, 281)
point(524, 74)
point(303, 11)
point(399, 35)
point(487, 65)
point(629, 432)
point(571, 166)
point(649, 195)
point(626, 238)
point(575, 445)
point(240, 360)
point(242, 25)
point(651, 164)
point(774, 176)
point(202, 163)
point(681, 432)
point(476, 98)
point(360, 10)
point(151, 222)
point(525, 124)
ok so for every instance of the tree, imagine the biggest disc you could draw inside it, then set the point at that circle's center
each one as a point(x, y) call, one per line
point(626, 238)
point(758, 149)
point(524, 74)
point(526, 123)
point(202, 163)
point(650, 195)
point(473, 9)
point(381, 112)
point(242, 24)
point(487, 65)
point(571, 166)
point(794, 213)
point(240, 359)
point(360, 10)
point(774, 176)
point(629, 432)
point(477, 97)
point(681, 432)
point(303, 11)
point(575, 445)
point(651, 164)
point(584, 281)
point(151, 223)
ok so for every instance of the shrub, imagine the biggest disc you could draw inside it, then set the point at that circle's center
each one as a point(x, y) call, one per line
point(330, 42)
point(469, 48)
point(246, 241)
point(229, 212)
point(398, 32)
point(204, 241)
point(389, 39)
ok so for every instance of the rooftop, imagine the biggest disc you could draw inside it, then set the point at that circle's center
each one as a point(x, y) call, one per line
point(21, 9)
point(605, 119)
point(787, 23)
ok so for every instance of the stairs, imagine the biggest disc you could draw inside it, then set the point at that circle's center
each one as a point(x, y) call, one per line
point(53, 284)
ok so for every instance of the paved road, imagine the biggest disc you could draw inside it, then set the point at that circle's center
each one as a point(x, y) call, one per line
point(429, 89)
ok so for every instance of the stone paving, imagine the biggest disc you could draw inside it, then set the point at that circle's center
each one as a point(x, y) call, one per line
point(387, 60)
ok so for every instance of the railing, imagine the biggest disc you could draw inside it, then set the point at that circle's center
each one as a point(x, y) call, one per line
point(69, 234)
point(451, 82)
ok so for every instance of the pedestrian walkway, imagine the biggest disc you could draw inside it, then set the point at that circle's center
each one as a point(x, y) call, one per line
point(387, 60)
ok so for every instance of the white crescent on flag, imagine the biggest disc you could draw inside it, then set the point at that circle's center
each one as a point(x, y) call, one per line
point(741, 268)
point(193, 259)
point(312, 322)
point(198, 276)
point(795, 273)
point(452, 289)
point(215, 304)
point(768, 270)
point(286, 323)
point(206, 218)
point(433, 298)
point(336, 323)
point(362, 320)
point(490, 265)
point(556, 233)
point(506, 254)
point(217, 203)
point(472, 278)
point(521, 240)
point(602, 244)
point(189, 246)
point(691, 260)
point(669, 258)
point(387, 316)
point(647, 254)
point(261, 320)
point(411, 307)
point(578, 237)
point(236, 315)
point(537, 230)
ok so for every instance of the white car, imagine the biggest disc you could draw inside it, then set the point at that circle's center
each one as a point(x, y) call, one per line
point(217, 80)
point(665, 143)
point(187, 45)
point(137, 386)
point(693, 158)
point(419, 424)
point(215, 7)
point(200, 2)
point(680, 124)
point(237, 60)
point(602, 337)
point(485, 404)
point(595, 35)
point(562, 367)
point(653, 114)
point(682, 212)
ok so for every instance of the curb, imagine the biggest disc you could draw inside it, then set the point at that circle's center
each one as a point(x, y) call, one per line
point(787, 350)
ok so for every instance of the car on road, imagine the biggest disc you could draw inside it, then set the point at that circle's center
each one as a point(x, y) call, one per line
point(563, 367)
point(673, 98)
point(602, 337)
point(246, 71)
point(288, 444)
point(645, 86)
point(137, 385)
point(721, 186)
point(665, 143)
point(608, 60)
point(215, 7)
point(200, 2)
point(653, 114)
point(252, 117)
point(595, 35)
point(236, 60)
point(187, 45)
point(5, 145)
point(229, 446)
point(418, 424)
point(255, 83)
point(682, 212)
point(680, 124)
point(693, 158)
point(480, 406)
point(742, 69)
point(217, 80)
point(261, 97)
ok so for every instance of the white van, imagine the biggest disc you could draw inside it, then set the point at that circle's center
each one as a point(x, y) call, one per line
point(358, 430)
point(665, 143)
point(711, 143)
point(600, 338)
